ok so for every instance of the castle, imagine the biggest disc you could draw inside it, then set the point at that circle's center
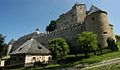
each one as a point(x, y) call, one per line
point(69, 25)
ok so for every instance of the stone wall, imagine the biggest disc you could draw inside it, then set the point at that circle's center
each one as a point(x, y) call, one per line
point(68, 33)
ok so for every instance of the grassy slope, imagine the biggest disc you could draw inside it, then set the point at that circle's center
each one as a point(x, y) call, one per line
point(114, 66)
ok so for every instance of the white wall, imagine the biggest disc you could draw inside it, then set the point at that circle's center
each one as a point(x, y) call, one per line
point(29, 58)
point(2, 63)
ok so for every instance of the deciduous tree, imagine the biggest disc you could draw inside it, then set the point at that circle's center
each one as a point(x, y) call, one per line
point(51, 26)
point(87, 41)
point(58, 47)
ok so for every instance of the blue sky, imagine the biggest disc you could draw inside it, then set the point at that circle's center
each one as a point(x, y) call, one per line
point(21, 17)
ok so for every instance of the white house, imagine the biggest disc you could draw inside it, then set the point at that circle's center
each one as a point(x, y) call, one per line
point(30, 52)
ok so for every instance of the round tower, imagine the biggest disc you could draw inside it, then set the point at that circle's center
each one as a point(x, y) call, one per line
point(97, 22)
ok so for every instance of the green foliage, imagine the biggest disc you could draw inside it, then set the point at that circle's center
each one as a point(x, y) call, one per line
point(87, 41)
point(58, 47)
point(2, 44)
point(118, 45)
point(51, 26)
point(111, 44)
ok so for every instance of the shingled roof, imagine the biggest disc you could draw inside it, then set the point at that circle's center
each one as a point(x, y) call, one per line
point(22, 40)
point(31, 47)
point(94, 9)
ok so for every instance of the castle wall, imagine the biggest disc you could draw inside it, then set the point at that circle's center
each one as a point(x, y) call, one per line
point(98, 23)
point(68, 33)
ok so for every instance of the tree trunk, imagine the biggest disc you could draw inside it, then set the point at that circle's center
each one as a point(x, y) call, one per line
point(85, 54)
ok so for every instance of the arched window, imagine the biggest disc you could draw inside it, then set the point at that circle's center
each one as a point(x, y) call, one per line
point(33, 59)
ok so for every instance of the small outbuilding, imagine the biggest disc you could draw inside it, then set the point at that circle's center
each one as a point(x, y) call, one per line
point(4, 61)
point(29, 53)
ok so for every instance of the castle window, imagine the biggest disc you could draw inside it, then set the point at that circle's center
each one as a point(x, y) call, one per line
point(73, 15)
point(66, 22)
point(71, 20)
point(92, 18)
point(104, 32)
point(80, 7)
point(112, 28)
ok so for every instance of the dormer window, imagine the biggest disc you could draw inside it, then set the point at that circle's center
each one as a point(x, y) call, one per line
point(20, 49)
point(39, 47)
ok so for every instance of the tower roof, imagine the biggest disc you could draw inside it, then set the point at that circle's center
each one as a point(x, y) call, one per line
point(94, 9)
point(31, 47)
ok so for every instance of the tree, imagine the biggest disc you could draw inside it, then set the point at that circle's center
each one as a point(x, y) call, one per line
point(58, 47)
point(51, 26)
point(87, 41)
point(2, 45)
point(111, 44)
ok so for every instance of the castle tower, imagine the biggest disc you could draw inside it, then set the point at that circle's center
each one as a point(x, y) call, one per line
point(97, 22)
point(75, 16)
point(37, 31)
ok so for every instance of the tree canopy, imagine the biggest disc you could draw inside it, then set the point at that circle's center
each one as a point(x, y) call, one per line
point(87, 41)
point(58, 47)
point(111, 44)
point(2, 44)
point(51, 26)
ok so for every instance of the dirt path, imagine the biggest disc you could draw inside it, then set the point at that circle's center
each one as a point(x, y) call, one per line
point(84, 67)
point(103, 63)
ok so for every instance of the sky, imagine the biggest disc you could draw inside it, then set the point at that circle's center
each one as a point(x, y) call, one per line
point(21, 17)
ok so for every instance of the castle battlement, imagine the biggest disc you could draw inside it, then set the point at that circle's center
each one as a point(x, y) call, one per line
point(61, 29)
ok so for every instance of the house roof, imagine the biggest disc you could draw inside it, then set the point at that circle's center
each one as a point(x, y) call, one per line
point(94, 9)
point(5, 57)
point(31, 47)
point(23, 39)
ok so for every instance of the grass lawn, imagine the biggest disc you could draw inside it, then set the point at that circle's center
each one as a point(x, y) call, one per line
point(114, 66)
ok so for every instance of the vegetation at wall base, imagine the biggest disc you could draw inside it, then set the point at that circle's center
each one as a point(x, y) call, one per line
point(87, 41)
point(58, 47)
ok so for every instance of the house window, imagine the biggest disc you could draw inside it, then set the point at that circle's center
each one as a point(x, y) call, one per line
point(50, 58)
point(104, 32)
point(33, 59)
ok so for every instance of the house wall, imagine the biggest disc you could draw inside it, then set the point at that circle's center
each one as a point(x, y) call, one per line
point(17, 59)
point(2, 63)
point(35, 58)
